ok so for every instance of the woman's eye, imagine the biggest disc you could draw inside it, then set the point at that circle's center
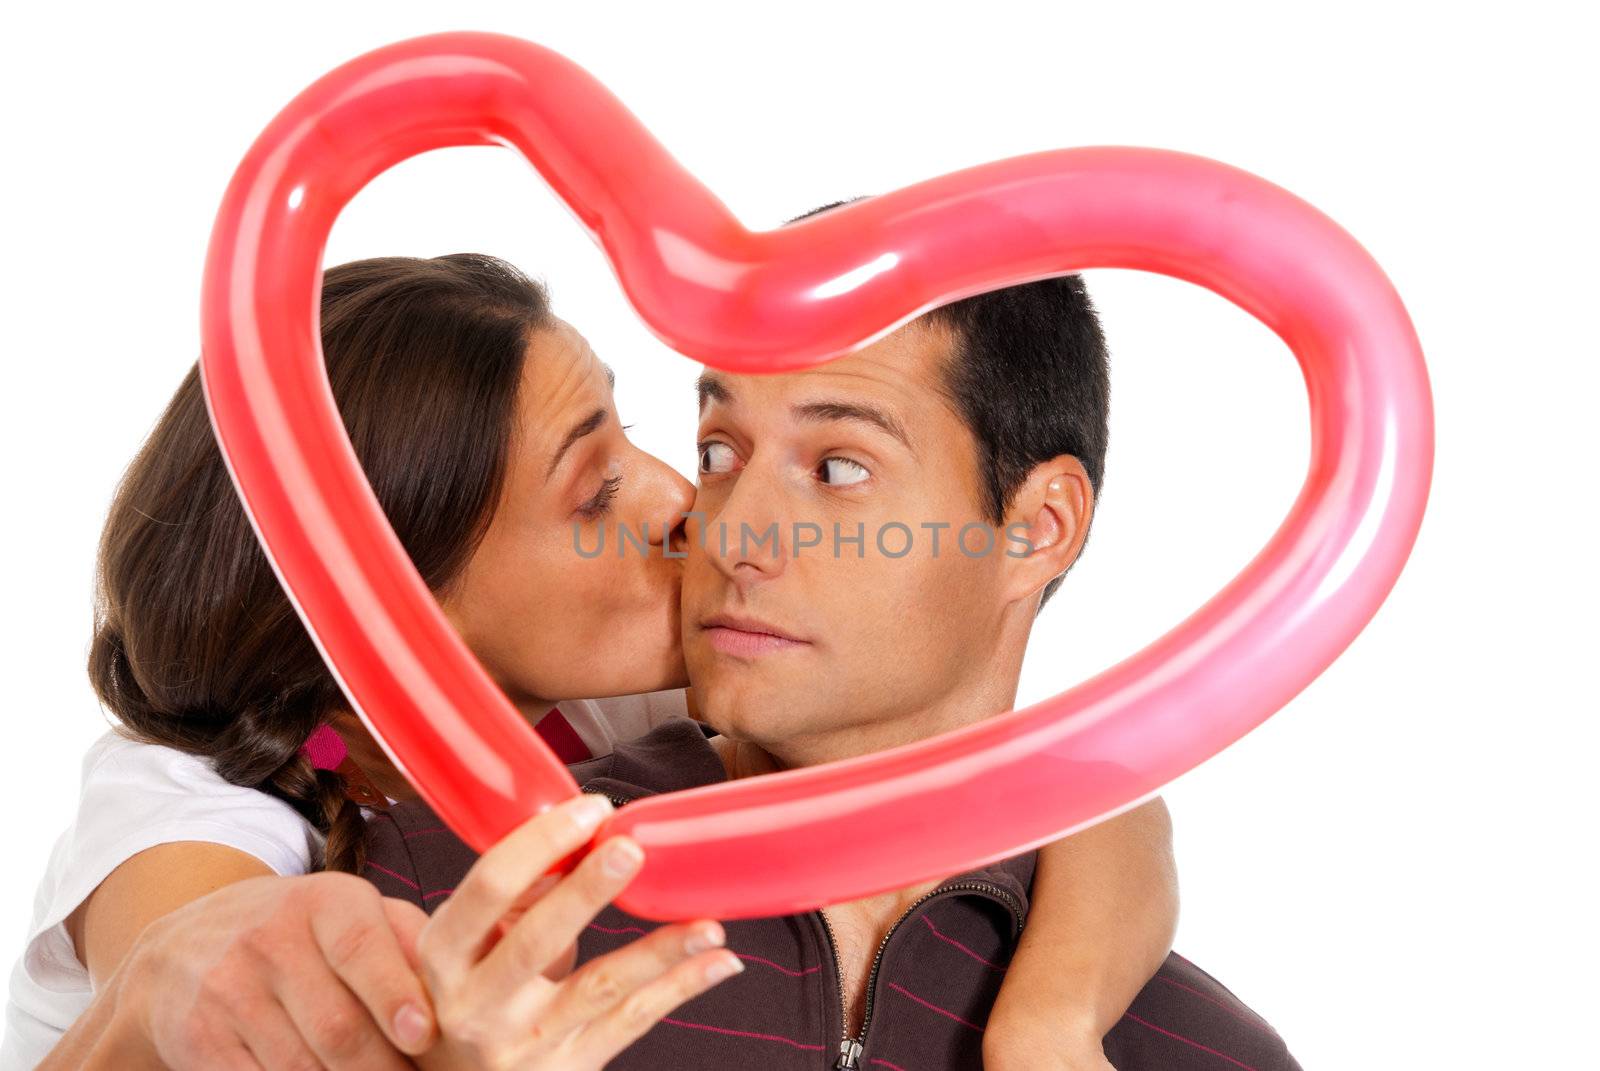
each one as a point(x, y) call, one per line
point(842, 472)
point(600, 504)
point(716, 457)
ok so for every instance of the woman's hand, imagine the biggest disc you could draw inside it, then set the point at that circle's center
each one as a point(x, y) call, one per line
point(265, 974)
point(496, 955)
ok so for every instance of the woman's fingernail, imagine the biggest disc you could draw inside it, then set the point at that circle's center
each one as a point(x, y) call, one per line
point(590, 811)
point(703, 937)
point(622, 857)
point(411, 1025)
point(724, 967)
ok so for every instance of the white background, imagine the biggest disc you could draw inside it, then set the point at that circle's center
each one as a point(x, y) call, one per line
point(1394, 869)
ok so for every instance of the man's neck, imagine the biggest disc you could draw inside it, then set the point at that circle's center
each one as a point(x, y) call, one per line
point(860, 926)
point(744, 759)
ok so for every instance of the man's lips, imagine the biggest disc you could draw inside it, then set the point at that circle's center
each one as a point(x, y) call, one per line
point(737, 635)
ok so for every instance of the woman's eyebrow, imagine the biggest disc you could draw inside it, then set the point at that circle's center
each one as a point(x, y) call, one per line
point(584, 427)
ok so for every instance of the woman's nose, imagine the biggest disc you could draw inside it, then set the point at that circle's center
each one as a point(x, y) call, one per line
point(671, 496)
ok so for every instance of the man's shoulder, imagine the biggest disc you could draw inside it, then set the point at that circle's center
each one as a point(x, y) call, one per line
point(412, 855)
point(673, 756)
point(1185, 1018)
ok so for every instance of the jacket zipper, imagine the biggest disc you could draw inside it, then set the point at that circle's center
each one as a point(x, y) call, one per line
point(850, 1047)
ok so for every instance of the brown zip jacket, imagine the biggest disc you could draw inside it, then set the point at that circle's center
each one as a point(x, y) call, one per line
point(935, 977)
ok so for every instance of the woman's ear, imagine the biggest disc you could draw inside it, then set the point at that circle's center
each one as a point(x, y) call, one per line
point(1046, 525)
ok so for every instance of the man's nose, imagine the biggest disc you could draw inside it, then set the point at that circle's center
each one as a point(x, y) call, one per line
point(745, 537)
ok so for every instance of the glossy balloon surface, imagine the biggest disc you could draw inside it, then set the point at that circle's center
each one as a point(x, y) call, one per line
point(743, 300)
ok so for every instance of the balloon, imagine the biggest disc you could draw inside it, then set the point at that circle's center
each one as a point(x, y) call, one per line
point(793, 297)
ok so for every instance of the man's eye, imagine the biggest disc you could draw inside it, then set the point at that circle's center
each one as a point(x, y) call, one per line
point(716, 457)
point(842, 472)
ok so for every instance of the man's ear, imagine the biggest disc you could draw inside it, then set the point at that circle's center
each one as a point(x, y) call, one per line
point(1046, 525)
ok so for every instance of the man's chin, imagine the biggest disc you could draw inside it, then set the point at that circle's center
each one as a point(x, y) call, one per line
point(743, 713)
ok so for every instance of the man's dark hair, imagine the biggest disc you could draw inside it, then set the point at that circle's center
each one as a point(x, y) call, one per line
point(1029, 374)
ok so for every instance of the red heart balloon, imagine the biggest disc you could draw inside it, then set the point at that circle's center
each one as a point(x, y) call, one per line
point(789, 298)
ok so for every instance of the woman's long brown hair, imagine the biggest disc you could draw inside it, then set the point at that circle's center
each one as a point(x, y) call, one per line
point(195, 644)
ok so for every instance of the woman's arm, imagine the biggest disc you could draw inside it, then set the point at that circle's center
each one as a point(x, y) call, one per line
point(1105, 907)
point(109, 922)
point(265, 971)
point(202, 958)
point(145, 887)
point(106, 1037)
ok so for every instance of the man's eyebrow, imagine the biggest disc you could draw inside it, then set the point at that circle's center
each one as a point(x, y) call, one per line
point(711, 388)
point(829, 409)
point(589, 424)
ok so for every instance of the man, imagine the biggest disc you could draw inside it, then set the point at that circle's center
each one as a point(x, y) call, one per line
point(840, 597)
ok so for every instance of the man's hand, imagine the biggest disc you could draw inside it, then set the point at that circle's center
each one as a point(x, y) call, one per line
point(321, 971)
point(497, 955)
point(265, 974)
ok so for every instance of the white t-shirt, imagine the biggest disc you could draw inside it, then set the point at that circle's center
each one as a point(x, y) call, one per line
point(136, 795)
point(602, 724)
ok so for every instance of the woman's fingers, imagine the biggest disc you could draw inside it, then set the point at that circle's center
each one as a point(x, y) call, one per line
point(353, 926)
point(595, 1045)
point(605, 982)
point(546, 929)
point(467, 923)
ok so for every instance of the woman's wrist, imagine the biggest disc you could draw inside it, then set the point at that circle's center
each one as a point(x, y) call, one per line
point(1057, 1038)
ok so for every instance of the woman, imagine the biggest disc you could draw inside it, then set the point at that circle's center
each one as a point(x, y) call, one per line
point(487, 428)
